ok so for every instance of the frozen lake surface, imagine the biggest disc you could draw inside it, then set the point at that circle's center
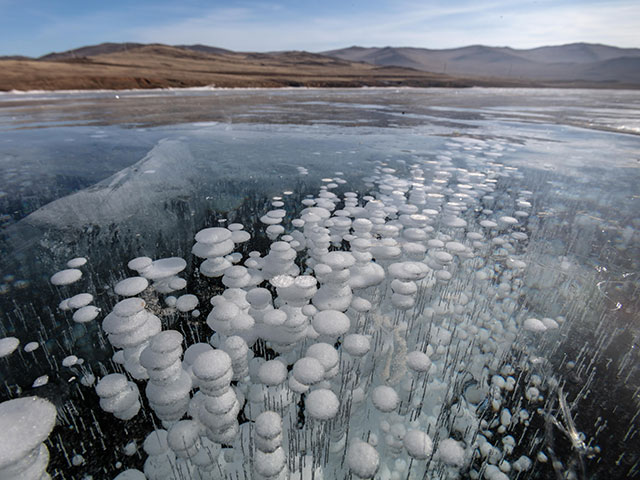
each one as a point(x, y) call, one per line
point(526, 206)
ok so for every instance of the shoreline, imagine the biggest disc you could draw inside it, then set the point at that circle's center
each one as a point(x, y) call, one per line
point(18, 76)
point(205, 89)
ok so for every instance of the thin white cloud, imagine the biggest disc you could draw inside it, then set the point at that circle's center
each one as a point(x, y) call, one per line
point(496, 23)
point(619, 25)
point(262, 27)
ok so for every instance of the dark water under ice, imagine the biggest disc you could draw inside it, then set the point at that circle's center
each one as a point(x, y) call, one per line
point(114, 175)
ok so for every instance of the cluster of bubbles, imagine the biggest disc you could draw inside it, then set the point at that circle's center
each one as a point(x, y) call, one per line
point(374, 338)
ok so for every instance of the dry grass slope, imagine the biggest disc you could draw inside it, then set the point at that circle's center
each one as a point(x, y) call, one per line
point(161, 66)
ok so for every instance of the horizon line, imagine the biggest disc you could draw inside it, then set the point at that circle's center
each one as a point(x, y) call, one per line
point(320, 51)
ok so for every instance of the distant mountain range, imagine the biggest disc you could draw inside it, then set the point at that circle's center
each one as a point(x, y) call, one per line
point(564, 63)
point(136, 65)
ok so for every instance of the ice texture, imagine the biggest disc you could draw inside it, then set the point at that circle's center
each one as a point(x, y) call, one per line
point(388, 329)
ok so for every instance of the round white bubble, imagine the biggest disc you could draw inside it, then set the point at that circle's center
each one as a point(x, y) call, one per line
point(322, 404)
point(66, 277)
point(363, 459)
point(131, 286)
point(385, 398)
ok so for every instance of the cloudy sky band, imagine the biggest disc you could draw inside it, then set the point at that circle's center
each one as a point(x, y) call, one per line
point(38, 27)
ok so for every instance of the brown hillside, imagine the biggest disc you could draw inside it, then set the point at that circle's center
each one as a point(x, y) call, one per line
point(156, 66)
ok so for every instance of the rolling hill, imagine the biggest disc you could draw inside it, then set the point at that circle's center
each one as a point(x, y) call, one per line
point(135, 65)
point(124, 66)
point(578, 62)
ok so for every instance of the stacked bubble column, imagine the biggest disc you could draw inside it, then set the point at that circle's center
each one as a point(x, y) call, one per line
point(220, 407)
point(269, 462)
point(25, 424)
point(129, 327)
point(335, 292)
point(293, 296)
point(160, 462)
point(279, 261)
point(118, 396)
point(169, 384)
point(213, 244)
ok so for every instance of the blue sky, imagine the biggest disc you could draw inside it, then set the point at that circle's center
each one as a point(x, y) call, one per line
point(37, 27)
